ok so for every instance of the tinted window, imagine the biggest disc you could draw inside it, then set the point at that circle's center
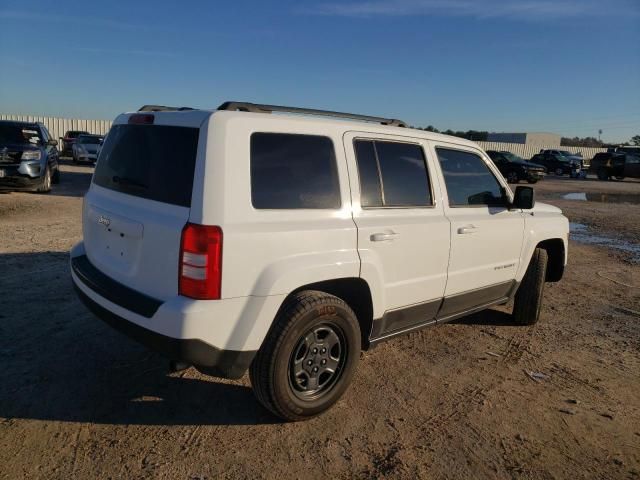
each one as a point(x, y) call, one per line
point(293, 171)
point(370, 190)
point(90, 139)
point(392, 174)
point(468, 179)
point(150, 161)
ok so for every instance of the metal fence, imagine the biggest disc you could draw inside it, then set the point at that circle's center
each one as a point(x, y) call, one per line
point(58, 126)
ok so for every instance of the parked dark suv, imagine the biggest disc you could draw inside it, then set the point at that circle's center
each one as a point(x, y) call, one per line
point(68, 140)
point(28, 157)
point(616, 164)
point(558, 163)
point(514, 168)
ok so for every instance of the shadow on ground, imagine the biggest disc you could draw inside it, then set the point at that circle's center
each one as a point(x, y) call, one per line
point(61, 363)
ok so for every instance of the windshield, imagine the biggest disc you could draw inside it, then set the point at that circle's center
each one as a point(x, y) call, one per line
point(566, 154)
point(512, 157)
point(74, 133)
point(19, 134)
point(92, 139)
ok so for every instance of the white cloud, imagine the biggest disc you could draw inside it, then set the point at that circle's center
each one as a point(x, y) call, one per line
point(516, 9)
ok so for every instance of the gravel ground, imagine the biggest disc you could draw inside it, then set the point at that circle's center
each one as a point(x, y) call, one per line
point(78, 400)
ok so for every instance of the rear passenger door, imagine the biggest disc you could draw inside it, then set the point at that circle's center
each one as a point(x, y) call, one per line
point(403, 235)
point(486, 237)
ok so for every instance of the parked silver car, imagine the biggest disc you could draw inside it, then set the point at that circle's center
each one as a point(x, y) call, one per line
point(86, 148)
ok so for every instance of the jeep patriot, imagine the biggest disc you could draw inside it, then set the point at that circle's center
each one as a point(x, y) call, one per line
point(284, 241)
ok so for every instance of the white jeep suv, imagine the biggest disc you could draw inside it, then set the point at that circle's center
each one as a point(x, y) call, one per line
point(284, 241)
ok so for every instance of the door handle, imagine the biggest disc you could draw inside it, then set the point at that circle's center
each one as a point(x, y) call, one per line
point(383, 237)
point(467, 229)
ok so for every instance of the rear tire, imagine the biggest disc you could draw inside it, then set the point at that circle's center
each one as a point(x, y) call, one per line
point(528, 301)
point(531, 181)
point(313, 332)
point(559, 172)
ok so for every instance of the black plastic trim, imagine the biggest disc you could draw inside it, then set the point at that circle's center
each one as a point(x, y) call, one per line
point(404, 318)
point(114, 291)
point(206, 358)
point(467, 300)
point(484, 298)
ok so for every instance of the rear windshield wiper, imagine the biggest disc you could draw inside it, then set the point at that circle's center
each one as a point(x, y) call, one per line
point(128, 182)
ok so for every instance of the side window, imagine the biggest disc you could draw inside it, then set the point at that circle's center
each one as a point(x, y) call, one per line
point(468, 179)
point(293, 171)
point(392, 174)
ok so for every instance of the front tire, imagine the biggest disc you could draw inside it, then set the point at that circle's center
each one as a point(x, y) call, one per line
point(45, 185)
point(512, 177)
point(559, 172)
point(528, 301)
point(55, 179)
point(308, 358)
point(603, 174)
point(532, 181)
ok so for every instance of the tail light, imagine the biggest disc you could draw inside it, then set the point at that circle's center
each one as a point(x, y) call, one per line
point(201, 262)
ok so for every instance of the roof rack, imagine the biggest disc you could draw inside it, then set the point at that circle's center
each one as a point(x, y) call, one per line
point(162, 108)
point(258, 108)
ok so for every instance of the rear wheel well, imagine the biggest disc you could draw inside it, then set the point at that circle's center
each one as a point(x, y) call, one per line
point(356, 293)
point(555, 253)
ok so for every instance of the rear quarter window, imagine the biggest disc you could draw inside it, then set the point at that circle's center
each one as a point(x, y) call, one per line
point(156, 162)
point(292, 171)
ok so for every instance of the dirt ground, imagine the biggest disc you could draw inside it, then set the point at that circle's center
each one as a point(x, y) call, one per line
point(475, 399)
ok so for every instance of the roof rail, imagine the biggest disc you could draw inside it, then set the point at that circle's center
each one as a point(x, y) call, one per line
point(258, 108)
point(162, 108)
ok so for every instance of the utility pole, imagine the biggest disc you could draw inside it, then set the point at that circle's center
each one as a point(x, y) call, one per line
point(599, 133)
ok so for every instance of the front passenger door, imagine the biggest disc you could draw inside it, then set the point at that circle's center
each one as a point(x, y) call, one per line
point(486, 237)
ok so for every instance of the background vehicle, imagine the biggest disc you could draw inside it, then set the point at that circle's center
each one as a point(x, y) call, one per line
point(68, 140)
point(514, 168)
point(557, 163)
point(28, 157)
point(86, 148)
point(293, 241)
point(631, 149)
point(617, 165)
point(573, 157)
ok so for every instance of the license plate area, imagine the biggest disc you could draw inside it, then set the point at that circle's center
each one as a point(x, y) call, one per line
point(116, 240)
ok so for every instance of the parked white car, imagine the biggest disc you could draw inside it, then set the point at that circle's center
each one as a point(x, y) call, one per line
point(86, 148)
point(283, 241)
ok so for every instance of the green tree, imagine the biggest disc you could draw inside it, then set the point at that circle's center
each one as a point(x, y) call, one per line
point(635, 139)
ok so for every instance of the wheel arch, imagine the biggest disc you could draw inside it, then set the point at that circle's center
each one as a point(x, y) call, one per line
point(556, 258)
point(355, 292)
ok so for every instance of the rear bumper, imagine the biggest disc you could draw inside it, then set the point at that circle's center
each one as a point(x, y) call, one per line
point(535, 175)
point(108, 300)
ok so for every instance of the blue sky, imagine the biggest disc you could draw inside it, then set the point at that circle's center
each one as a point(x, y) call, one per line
point(566, 66)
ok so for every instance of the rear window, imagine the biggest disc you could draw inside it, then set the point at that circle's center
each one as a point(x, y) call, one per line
point(149, 161)
point(291, 171)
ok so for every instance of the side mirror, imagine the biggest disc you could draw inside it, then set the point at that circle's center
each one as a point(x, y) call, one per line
point(524, 198)
point(52, 142)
